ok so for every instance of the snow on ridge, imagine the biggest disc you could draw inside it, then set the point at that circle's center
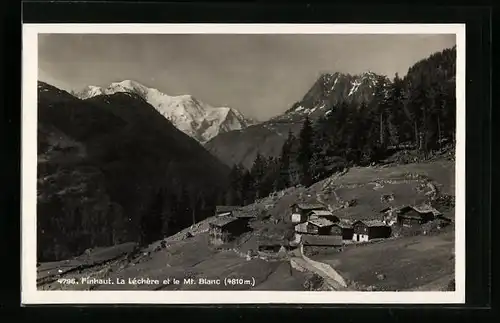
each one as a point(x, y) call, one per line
point(195, 118)
point(355, 87)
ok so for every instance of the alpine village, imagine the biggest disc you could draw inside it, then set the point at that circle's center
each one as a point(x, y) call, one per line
point(351, 188)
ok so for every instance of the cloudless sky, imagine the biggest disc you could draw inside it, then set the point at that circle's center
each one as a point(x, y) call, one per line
point(260, 75)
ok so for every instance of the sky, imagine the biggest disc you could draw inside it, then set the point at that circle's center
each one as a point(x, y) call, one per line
point(259, 75)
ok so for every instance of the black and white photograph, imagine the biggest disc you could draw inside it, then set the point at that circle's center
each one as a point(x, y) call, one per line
point(303, 163)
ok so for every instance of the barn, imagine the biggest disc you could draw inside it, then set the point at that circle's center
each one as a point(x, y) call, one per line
point(345, 230)
point(224, 229)
point(320, 226)
point(368, 230)
point(300, 211)
point(410, 215)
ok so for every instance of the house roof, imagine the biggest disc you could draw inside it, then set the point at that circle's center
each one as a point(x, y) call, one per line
point(309, 206)
point(321, 213)
point(321, 222)
point(244, 214)
point(314, 240)
point(426, 209)
point(373, 223)
point(222, 221)
point(422, 209)
point(226, 208)
point(343, 225)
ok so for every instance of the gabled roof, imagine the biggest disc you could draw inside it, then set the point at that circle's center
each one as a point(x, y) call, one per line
point(422, 209)
point(244, 214)
point(321, 213)
point(314, 240)
point(372, 223)
point(426, 209)
point(309, 206)
point(321, 222)
point(226, 208)
point(343, 225)
point(222, 221)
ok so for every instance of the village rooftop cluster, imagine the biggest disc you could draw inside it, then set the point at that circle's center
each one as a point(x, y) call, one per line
point(316, 226)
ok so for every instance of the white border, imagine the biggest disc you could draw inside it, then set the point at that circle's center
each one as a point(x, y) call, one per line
point(30, 294)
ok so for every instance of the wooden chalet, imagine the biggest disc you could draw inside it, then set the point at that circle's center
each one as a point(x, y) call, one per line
point(371, 229)
point(343, 229)
point(226, 210)
point(300, 211)
point(320, 226)
point(224, 229)
point(412, 215)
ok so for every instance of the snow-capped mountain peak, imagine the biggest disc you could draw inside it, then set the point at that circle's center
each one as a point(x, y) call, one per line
point(195, 118)
point(331, 89)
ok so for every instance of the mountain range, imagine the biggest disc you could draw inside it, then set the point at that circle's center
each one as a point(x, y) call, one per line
point(267, 138)
point(107, 162)
point(197, 119)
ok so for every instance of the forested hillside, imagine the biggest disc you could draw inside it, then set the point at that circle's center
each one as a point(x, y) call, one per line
point(415, 112)
point(111, 169)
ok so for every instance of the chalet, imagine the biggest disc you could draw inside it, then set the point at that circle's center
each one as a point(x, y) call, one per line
point(226, 210)
point(412, 215)
point(322, 241)
point(316, 214)
point(300, 211)
point(343, 229)
point(224, 229)
point(320, 226)
point(372, 229)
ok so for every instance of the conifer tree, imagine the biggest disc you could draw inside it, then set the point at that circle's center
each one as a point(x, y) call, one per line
point(305, 152)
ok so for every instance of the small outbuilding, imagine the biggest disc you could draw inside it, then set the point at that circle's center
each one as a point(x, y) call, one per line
point(224, 229)
point(411, 215)
point(371, 229)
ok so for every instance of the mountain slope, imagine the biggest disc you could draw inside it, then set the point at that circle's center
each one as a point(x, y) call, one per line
point(241, 146)
point(334, 89)
point(193, 117)
point(104, 162)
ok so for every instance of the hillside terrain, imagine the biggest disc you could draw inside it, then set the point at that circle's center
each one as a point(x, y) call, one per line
point(105, 164)
point(421, 260)
point(197, 119)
